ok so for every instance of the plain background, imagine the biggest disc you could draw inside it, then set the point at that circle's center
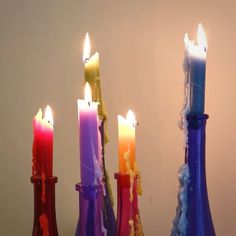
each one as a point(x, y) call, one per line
point(141, 53)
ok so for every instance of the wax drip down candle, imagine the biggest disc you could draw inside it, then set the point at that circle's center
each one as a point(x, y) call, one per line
point(42, 163)
point(90, 157)
point(92, 76)
point(126, 131)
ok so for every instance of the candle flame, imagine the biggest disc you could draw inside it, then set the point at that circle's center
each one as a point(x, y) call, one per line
point(201, 37)
point(48, 116)
point(131, 118)
point(199, 49)
point(87, 93)
point(87, 48)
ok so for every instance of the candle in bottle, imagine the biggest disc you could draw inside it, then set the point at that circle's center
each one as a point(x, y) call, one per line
point(126, 132)
point(43, 144)
point(196, 68)
point(90, 157)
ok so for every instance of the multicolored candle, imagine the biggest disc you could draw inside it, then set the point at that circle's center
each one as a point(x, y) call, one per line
point(89, 136)
point(126, 133)
point(43, 144)
point(196, 68)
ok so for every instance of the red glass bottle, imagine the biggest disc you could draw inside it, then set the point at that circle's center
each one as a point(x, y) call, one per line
point(45, 223)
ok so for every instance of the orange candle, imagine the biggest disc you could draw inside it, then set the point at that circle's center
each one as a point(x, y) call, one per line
point(126, 133)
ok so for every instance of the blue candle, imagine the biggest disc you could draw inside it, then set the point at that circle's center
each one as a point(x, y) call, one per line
point(196, 59)
point(197, 68)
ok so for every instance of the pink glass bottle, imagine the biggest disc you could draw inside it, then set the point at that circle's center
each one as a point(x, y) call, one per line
point(128, 218)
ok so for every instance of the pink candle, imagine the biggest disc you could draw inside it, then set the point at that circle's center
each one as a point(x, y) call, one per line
point(90, 158)
point(43, 144)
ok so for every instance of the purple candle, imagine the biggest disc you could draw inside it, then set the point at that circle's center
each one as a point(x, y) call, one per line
point(90, 158)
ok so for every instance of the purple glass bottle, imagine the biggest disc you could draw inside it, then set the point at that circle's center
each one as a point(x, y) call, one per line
point(90, 211)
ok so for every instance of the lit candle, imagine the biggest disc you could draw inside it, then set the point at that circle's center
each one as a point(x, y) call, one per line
point(92, 76)
point(196, 68)
point(90, 150)
point(43, 144)
point(126, 133)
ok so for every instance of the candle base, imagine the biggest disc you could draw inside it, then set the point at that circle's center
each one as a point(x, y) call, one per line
point(90, 211)
point(128, 217)
point(44, 206)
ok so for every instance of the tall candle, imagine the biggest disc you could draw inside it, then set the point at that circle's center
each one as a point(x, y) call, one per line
point(196, 66)
point(126, 133)
point(92, 76)
point(43, 144)
point(90, 158)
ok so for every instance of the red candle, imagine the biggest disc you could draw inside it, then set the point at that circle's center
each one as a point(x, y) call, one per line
point(43, 144)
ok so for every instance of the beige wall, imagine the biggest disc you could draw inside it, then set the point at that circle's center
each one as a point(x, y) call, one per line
point(141, 49)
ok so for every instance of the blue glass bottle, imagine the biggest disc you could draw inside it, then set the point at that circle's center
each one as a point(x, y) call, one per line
point(198, 214)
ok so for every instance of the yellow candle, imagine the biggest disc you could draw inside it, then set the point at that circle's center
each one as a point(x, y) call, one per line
point(126, 146)
point(92, 75)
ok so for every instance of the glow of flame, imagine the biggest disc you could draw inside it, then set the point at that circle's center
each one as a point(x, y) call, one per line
point(87, 93)
point(87, 48)
point(48, 116)
point(131, 118)
point(201, 37)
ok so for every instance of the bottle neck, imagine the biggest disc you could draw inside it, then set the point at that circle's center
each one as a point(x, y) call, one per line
point(127, 205)
point(90, 210)
point(44, 206)
point(199, 215)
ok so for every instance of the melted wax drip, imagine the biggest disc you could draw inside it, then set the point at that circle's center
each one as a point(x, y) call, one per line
point(136, 228)
point(139, 182)
point(34, 162)
point(183, 124)
point(103, 229)
point(131, 174)
point(180, 222)
point(44, 224)
point(43, 196)
point(131, 224)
